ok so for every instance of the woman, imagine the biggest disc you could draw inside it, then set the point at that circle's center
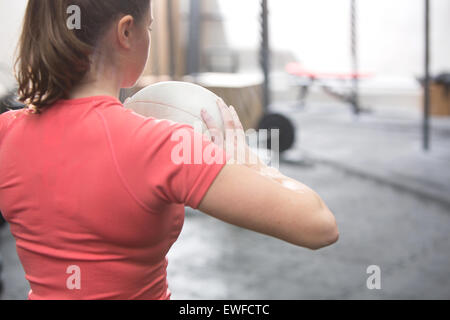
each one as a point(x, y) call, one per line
point(88, 187)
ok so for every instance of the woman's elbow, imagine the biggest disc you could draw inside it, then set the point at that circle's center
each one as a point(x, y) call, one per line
point(327, 235)
point(330, 238)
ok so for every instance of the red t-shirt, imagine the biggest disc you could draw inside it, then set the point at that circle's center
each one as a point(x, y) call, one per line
point(94, 199)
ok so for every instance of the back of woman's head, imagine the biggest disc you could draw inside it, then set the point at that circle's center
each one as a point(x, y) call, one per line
point(52, 56)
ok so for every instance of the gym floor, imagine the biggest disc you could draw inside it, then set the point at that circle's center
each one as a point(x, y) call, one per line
point(391, 213)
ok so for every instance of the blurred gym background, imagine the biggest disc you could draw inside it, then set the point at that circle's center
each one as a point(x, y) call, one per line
point(360, 91)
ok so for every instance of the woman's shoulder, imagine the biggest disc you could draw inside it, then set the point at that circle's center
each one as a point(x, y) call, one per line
point(7, 118)
point(13, 114)
point(121, 118)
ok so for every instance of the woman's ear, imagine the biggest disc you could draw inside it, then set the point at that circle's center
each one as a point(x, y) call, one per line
point(124, 31)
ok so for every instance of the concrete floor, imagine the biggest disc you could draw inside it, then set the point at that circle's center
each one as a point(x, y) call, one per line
point(407, 237)
point(391, 215)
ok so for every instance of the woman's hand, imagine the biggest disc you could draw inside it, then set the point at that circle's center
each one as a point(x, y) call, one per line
point(234, 142)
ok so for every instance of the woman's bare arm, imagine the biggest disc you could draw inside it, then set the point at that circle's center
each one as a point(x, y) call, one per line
point(249, 199)
point(254, 196)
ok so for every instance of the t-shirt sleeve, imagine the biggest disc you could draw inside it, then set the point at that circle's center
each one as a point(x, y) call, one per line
point(162, 160)
point(188, 164)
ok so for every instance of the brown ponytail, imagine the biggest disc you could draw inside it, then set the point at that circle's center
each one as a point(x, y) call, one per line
point(52, 58)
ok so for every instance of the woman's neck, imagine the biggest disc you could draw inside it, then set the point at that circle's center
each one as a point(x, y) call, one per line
point(95, 88)
point(103, 79)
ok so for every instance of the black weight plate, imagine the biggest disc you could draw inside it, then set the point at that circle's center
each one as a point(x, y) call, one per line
point(286, 127)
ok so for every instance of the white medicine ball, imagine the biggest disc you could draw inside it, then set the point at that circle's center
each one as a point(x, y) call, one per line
point(180, 102)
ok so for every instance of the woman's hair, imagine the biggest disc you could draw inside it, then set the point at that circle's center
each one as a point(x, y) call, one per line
point(53, 58)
